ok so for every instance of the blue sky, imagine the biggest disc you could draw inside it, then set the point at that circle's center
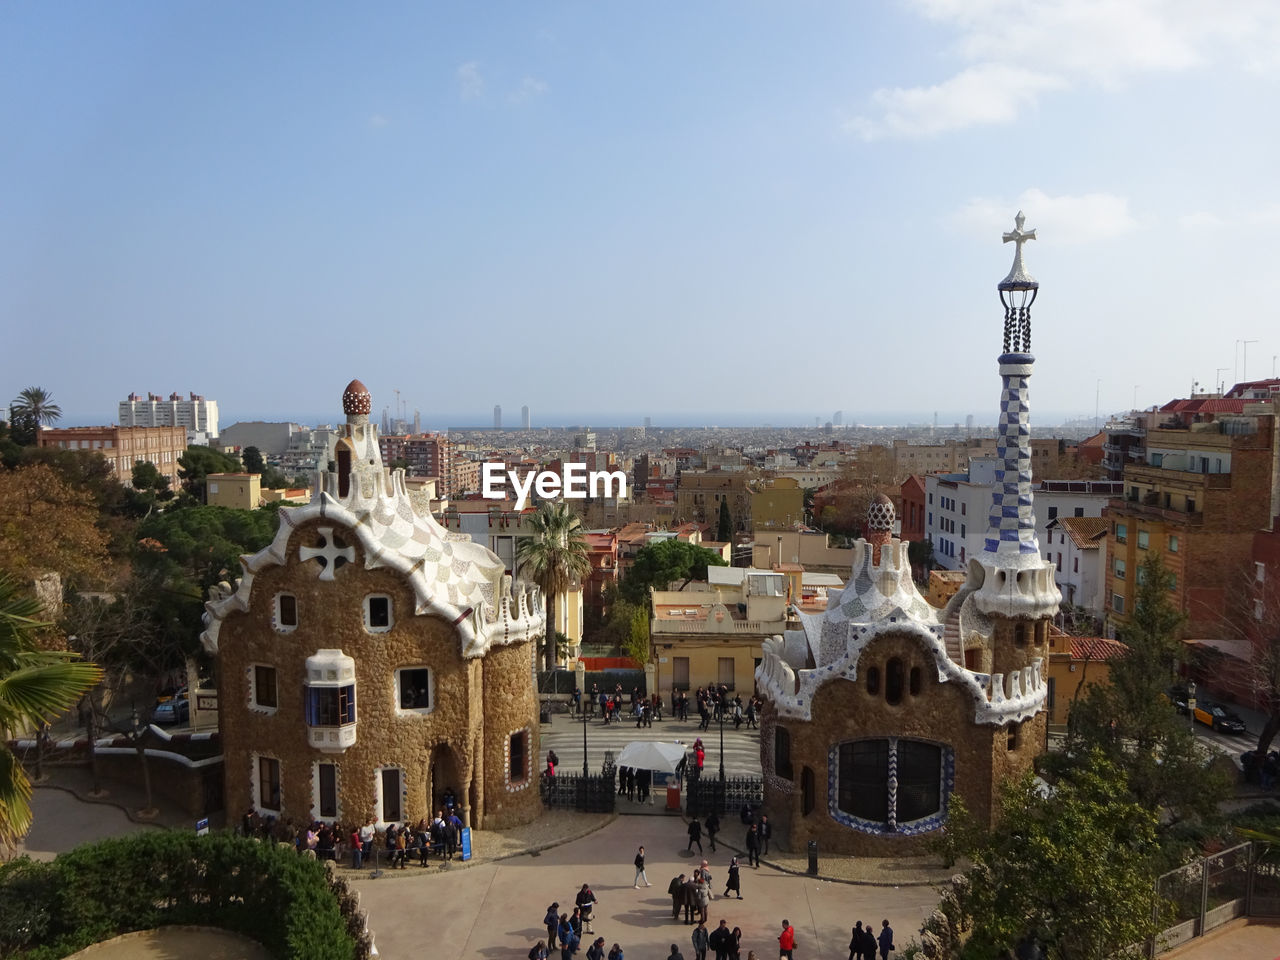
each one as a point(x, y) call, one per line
point(661, 207)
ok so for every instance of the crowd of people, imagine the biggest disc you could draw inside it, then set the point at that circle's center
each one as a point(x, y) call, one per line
point(395, 846)
point(691, 896)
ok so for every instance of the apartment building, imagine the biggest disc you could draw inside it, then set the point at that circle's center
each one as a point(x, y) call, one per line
point(122, 447)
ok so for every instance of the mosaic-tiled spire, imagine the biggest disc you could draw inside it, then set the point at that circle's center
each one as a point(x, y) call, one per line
point(1011, 527)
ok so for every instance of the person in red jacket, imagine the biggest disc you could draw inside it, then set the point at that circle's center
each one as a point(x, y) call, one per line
point(786, 940)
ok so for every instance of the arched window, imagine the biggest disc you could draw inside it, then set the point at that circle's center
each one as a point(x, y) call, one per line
point(807, 791)
point(1020, 634)
point(893, 681)
point(782, 753)
point(884, 784)
point(873, 680)
point(914, 683)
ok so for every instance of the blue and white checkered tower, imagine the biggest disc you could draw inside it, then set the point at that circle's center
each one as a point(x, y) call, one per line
point(1012, 526)
point(1017, 580)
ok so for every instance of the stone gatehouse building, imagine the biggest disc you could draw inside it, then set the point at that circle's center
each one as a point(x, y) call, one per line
point(881, 709)
point(369, 660)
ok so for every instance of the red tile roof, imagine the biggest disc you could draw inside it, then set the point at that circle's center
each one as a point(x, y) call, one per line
point(1097, 649)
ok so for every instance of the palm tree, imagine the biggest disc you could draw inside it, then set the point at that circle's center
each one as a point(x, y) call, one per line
point(553, 557)
point(35, 686)
point(34, 407)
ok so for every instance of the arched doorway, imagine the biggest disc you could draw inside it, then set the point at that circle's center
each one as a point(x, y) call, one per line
point(444, 773)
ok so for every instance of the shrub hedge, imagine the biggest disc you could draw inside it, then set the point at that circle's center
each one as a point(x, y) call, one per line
point(160, 878)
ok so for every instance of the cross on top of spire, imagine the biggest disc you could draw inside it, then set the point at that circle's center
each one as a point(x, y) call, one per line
point(1019, 278)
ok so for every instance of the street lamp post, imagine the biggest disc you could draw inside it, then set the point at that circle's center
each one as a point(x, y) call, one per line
point(584, 745)
point(1191, 705)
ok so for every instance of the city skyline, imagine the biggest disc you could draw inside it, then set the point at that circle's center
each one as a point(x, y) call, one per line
point(685, 212)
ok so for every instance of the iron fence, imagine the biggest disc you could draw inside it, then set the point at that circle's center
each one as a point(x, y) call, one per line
point(1214, 890)
point(590, 794)
point(709, 792)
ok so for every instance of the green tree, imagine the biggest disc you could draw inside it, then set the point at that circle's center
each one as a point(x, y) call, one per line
point(553, 556)
point(1132, 722)
point(197, 463)
point(1071, 869)
point(251, 457)
point(664, 562)
point(35, 686)
point(31, 409)
point(724, 529)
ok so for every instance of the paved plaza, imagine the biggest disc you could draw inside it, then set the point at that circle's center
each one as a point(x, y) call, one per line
point(496, 909)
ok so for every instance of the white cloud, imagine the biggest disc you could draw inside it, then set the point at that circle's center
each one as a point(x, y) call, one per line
point(529, 89)
point(988, 93)
point(1047, 45)
point(1067, 219)
point(1264, 216)
point(470, 82)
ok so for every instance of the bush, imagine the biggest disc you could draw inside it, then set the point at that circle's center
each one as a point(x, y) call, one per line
point(98, 891)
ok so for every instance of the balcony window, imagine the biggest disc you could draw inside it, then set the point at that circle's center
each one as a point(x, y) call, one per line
point(1122, 533)
point(1191, 505)
point(1144, 539)
point(1117, 603)
point(1119, 569)
point(331, 706)
point(1173, 544)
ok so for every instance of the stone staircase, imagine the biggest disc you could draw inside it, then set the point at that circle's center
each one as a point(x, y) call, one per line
point(951, 638)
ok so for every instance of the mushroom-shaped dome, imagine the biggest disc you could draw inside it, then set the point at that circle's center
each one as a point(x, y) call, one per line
point(356, 399)
point(880, 514)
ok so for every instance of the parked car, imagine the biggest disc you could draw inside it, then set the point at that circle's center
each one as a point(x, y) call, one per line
point(172, 708)
point(1178, 697)
point(1218, 717)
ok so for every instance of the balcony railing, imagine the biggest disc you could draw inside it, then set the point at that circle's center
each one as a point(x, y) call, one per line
point(762, 627)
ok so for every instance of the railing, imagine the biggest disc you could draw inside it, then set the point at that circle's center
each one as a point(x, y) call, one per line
point(1216, 889)
point(708, 792)
point(591, 794)
point(729, 626)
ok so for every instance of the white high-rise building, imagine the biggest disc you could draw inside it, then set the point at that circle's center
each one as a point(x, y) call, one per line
point(195, 413)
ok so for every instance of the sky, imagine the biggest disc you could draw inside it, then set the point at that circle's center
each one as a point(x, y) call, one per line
point(612, 210)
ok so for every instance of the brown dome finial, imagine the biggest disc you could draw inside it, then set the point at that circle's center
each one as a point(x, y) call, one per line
point(356, 400)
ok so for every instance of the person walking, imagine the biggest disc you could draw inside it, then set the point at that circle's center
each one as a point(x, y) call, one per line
point(701, 940)
point(766, 831)
point(734, 882)
point(676, 889)
point(735, 944)
point(713, 827)
point(753, 846)
point(615, 952)
point(695, 835)
point(704, 873)
point(586, 900)
point(640, 874)
point(855, 942)
point(675, 953)
point(786, 941)
point(596, 950)
point(886, 940)
point(701, 896)
point(538, 951)
point(691, 900)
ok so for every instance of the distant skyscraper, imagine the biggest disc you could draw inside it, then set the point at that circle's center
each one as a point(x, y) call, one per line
point(648, 423)
point(524, 417)
point(196, 413)
point(838, 418)
point(497, 416)
point(968, 424)
point(417, 422)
